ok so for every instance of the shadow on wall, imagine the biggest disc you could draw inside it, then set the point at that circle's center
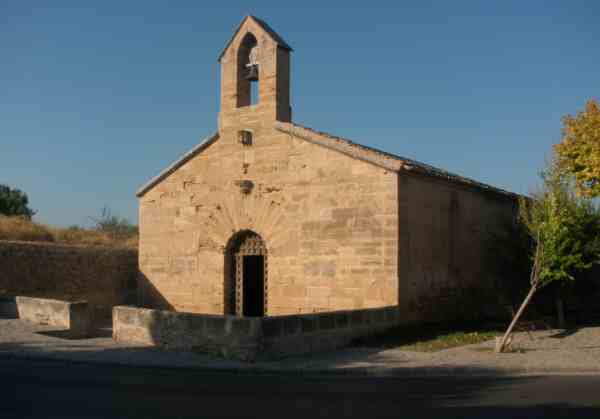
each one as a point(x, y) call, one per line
point(148, 296)
point(8, 308)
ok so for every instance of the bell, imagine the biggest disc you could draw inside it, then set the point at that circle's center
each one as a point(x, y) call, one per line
point(252, 73)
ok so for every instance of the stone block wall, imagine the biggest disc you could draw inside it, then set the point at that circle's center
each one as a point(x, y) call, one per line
point(329, 223)
point(229, 336)
point(74, 316)
point(308, 333)
point(104, 277)
point(444, 244)
point(248, 338)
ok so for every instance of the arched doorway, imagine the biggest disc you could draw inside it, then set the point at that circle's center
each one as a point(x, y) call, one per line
point(246, 275)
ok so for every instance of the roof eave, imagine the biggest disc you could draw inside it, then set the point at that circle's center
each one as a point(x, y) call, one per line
point(383, 159)
point(177, 164)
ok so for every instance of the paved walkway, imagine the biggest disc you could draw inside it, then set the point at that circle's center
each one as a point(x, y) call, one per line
point(551, 351)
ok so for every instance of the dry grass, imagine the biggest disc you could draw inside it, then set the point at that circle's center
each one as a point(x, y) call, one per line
point(19, 228)
point(132, 242)
point(76, 235)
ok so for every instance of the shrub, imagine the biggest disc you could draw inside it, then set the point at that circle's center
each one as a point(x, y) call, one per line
point(14, 202)
point(115, 227)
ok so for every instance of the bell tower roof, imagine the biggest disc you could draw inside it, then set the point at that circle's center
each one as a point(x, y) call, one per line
point(265, 27)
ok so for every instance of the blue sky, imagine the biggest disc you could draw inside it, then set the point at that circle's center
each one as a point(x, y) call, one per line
point(98, 97)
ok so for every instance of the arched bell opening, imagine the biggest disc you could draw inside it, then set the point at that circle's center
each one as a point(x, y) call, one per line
point(246, 273)
point(248, 72)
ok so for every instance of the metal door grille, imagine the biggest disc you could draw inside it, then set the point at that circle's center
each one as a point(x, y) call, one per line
point(248, 244)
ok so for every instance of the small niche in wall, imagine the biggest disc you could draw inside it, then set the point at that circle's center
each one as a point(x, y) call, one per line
point(245, 138)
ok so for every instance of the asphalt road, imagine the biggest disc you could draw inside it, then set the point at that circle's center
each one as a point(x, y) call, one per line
point(53, 389)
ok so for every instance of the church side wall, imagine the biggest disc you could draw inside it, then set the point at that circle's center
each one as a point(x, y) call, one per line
point(330, 223)
point(445, 267)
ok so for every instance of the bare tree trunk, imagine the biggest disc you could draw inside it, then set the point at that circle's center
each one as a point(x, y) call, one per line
point(560, 312)
point(501, 345)
point(534, 279)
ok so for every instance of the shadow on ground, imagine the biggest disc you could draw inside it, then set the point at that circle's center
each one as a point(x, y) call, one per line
point(81, 372)
point(73, 390)
point(411, 335)
point(66, 334)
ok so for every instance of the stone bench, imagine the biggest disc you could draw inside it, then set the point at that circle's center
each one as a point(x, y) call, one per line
point(74, 316)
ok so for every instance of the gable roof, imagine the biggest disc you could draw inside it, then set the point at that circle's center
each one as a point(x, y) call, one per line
point(264, 26)
point(381, 158)
point(177, 164)
point(371, 155)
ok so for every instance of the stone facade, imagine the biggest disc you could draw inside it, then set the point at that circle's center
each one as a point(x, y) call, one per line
point(346, 227)
point(329, 223)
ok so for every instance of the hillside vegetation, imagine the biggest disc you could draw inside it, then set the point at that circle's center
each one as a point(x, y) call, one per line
point(22, 229)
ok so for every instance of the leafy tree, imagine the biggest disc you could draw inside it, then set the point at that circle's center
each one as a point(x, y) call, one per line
point(569, 227)
point(579, 152)
point(565, 229)
point(14, 202)
point(115, 227)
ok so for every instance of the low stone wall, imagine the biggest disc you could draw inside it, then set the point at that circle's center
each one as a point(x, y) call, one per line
point(103, 276)
point(229, 336)
point(249, 338)
point(306, 333)
point(74, 316)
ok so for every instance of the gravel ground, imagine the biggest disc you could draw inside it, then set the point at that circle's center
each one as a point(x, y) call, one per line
point(549, 351)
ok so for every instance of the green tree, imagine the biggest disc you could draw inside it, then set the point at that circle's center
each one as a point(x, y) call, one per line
point(578, 154)
point(568, 225)
point(565, 229)
point(14, 202)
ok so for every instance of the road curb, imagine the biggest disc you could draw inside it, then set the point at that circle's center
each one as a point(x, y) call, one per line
point(407, 372)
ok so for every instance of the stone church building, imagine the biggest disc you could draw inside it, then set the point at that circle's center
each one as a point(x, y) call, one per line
point(266, 217)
